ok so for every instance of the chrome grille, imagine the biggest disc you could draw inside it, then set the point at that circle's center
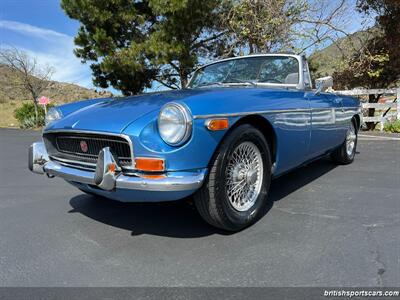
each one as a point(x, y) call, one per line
point(66, 149)
point(71, 144)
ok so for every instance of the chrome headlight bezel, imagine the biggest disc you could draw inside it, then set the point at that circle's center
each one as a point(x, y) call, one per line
point(184, 115)
point(52, 115)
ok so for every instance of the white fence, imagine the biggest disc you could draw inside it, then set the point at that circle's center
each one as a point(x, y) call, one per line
point(387, 110)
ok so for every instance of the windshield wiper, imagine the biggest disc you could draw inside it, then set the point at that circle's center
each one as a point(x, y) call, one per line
point(210, 83)
point(236, 80)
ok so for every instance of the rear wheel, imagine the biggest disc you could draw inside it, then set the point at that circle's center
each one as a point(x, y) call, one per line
point(234, 194)
point(346, 152)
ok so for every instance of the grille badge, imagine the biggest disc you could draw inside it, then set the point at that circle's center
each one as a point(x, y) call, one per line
point(84, 146)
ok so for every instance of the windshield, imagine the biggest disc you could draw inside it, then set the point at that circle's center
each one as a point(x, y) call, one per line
point(249, 70)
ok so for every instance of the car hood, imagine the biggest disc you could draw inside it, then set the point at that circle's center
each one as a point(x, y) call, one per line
point(115, 114)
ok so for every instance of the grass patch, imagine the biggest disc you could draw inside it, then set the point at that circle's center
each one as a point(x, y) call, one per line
point(7, 118)
point(393, 126)
point(7, 113)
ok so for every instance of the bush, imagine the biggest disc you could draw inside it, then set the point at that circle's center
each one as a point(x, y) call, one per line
point(26, 115)
point(393, 126)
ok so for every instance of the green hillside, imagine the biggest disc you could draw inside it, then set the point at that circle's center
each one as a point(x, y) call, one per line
point(330, 59)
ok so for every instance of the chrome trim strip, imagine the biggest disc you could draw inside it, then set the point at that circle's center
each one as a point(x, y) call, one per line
point(124, 136)
point(262, 112)
point(76, 167)
point(274, 111)
point(92, 138)
point(64, 160)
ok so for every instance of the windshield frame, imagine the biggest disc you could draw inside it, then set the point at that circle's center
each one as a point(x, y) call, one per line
point(300, 85)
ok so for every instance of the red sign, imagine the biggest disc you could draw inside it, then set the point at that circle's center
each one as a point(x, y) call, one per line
point(44, 100)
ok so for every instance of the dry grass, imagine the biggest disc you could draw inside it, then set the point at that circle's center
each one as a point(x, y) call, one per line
point(7, 114)
point(58, 92)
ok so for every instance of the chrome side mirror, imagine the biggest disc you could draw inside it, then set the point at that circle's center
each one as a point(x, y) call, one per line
point(323, 83)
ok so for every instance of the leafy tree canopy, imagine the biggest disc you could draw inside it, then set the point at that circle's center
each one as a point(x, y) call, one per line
point(263, 25)
point(131, 43)
point(377, 63)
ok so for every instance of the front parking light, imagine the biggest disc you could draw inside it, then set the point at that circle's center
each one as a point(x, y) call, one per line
point(149, 164)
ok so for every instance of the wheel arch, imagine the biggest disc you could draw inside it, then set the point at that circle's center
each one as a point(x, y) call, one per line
point(266, 129)
point(358, 121)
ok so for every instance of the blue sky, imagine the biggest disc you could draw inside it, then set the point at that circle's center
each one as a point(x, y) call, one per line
point(41, 28)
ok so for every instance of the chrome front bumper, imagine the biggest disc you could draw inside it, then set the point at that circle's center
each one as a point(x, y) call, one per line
point(105, 180)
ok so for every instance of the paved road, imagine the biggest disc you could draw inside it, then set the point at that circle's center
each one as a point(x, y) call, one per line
point(329, 226)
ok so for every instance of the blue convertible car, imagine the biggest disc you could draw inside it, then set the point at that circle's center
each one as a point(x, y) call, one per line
point(239, 123)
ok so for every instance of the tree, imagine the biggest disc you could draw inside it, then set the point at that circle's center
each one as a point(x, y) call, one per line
point(261, 25)
point(387, 14)
point(31, 78)
point(282, 25)
point(132, 43)
point(377, 63)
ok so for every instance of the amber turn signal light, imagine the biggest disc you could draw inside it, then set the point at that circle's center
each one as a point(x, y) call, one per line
point(149, 164)
point(112, 168)
point(217, 124)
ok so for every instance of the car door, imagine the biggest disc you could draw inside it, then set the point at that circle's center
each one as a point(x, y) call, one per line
point(327, 129)
point(293, 128)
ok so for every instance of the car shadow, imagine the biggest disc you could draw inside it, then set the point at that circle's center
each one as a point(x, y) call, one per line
point(294, 180)
point(174, 219)
point(179, 218)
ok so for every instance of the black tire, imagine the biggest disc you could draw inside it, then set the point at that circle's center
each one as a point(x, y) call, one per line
point(341, 155)
point(212, 201)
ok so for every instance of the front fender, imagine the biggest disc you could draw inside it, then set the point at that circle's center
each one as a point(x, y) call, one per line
point(194, 154)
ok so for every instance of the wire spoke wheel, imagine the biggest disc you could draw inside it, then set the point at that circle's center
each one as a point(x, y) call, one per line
point(235, 195)
point(244, 176)
point(351, 140)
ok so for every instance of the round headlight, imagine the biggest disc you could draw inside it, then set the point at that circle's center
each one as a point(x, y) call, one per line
point(175, 124)
point(52, 115)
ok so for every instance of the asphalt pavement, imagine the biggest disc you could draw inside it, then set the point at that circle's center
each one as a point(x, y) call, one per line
point(329, 226)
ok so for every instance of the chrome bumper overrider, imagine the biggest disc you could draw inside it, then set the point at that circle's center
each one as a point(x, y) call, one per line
point(104, 179)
